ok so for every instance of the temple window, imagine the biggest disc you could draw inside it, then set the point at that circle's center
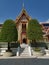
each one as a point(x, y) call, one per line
point(23, 18)
point(23, 28)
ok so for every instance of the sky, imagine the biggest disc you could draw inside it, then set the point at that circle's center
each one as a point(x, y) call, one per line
point(38, 9)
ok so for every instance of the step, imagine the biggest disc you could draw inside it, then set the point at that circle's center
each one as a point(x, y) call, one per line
point(24, 55)
point(24, 52)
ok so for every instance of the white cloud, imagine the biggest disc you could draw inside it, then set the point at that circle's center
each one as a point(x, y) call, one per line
point(45, 21)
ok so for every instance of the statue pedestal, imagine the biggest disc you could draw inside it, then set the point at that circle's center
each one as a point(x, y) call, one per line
point(47, 52)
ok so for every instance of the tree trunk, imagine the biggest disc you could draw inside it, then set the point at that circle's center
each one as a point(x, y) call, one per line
point(35, 43)
point(8, 46)
point(8, 50)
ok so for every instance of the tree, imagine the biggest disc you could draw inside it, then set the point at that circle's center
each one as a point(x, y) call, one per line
point(9, 32)
point(0, 36)
point(34, 31)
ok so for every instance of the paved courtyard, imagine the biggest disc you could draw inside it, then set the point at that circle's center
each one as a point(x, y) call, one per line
point(24, 61)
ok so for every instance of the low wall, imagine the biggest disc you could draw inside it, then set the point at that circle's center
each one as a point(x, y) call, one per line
point(3, 50)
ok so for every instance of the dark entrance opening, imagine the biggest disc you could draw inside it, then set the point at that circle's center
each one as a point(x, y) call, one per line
point(24, 40)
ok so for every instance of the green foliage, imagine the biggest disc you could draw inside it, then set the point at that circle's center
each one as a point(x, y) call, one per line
point(37, 49)
point(9, 31)
point(34, 31)
point(0, 34)
point(18, 42)
point(0, 37)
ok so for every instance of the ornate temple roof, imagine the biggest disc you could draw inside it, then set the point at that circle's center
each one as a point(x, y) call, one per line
point(25, 13)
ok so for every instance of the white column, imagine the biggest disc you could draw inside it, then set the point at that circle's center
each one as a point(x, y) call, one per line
point(29, 50)
point(18, 51)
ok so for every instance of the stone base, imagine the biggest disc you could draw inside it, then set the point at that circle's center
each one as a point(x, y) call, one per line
point(7, 54)
point(47, 52)
point(37, 54)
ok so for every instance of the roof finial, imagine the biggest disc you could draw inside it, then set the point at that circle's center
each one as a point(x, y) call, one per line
point(23, 4)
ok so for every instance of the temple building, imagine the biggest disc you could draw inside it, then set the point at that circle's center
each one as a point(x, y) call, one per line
point(45, 30)
point(22, 25)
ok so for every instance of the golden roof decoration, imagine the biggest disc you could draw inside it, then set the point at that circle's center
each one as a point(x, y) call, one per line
point(23, 12)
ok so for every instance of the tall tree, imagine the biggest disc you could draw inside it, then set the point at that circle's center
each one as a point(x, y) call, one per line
point(9, 32)
point(34, 31)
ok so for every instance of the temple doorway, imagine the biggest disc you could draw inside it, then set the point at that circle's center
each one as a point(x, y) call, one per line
point(24, 41)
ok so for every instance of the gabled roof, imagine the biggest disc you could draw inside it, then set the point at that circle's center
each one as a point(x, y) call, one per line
point(23, 12)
